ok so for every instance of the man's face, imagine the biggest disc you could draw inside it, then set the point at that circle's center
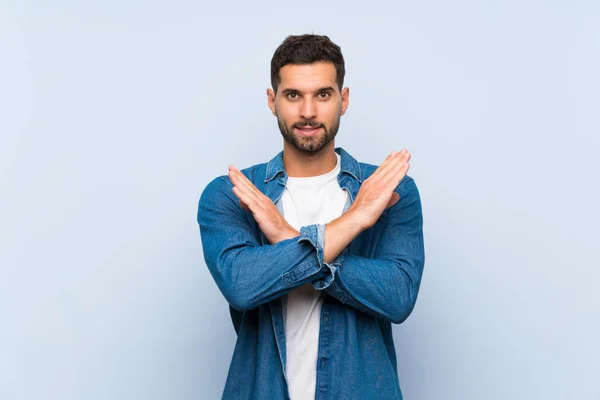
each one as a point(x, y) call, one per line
point(308, 105)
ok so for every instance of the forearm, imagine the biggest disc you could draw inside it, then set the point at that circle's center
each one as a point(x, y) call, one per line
point(247, 271)
point(252, 275)
point(386, 289)
point(383, 280)
point(286, 234)
point(339, 233)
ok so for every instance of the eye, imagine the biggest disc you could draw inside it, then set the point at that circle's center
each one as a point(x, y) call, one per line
point(292, 96)
point(323, 95)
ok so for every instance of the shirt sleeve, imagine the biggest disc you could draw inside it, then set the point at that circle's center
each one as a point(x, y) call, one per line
point(247, 272)
point(384, 285)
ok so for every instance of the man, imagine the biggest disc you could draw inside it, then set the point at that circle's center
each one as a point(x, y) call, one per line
point(316, 253)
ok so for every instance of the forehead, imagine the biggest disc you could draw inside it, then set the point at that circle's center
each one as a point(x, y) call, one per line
point(307, 77)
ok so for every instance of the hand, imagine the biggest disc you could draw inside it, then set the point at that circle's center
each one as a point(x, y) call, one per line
point(377, 191)
point(270, 221)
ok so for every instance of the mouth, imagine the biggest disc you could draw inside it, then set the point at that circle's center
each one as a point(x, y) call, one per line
point(307, 130)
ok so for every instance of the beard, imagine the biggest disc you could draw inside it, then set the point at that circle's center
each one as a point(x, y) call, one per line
point(309, 144)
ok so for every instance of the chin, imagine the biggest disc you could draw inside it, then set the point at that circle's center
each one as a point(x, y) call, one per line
point(311, 147)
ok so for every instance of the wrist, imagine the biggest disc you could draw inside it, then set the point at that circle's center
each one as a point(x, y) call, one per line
point(339, 233)
point(355, 220)
point(288, 233)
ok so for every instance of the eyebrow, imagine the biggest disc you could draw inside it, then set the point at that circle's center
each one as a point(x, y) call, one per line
point(324, 89)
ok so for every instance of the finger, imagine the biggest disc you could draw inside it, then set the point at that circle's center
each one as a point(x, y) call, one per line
point(241, 180)
point(236, 178)
point(393, 200)
point(245, 194)
point(389, 162)
point(245, 207)
point(242, 204)
point(245, 199)
point(238, 174)
point(251, 196)
point(394, 175)
point(391, 157)
point(392, 163)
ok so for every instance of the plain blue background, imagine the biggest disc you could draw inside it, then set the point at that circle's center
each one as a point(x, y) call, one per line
point(115, 115)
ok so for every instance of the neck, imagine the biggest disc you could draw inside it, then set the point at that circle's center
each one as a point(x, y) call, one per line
point(299, 164)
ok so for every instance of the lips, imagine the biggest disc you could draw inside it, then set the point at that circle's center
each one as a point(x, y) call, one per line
point(307, 130)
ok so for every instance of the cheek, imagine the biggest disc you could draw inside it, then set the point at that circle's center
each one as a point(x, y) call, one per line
point(286, 113)
point(330, 113)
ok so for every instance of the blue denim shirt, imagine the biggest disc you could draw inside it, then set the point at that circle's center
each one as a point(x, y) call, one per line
point(373, 283)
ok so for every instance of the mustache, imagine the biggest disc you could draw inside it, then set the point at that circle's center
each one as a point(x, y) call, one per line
point(303, 123)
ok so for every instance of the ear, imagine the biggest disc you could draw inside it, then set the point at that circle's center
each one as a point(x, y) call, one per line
point(271, 100)
point(345, 99)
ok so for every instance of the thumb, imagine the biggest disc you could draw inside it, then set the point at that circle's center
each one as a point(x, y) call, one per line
point(245, 207)
point(393, 200)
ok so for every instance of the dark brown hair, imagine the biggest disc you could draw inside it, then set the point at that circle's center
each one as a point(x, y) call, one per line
point(307, 49)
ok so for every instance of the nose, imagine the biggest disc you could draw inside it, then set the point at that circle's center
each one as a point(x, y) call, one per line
point(308, 109)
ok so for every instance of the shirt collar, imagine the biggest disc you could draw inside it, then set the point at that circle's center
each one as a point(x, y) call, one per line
point(349, 165)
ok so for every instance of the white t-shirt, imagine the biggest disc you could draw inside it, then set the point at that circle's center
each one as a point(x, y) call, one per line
point(311, 200)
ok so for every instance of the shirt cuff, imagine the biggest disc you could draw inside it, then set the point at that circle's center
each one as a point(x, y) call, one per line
point(315, 235)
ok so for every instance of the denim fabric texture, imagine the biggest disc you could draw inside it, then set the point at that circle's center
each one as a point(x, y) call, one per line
point(373, 283)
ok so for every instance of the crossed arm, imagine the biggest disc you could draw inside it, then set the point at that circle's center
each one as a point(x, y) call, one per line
point(249, 274)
